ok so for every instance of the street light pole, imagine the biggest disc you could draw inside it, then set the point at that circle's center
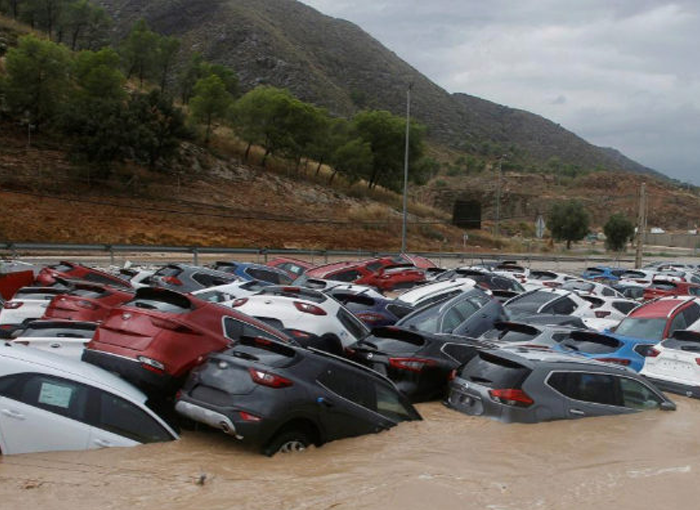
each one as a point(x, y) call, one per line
point(497, 230)
point(405, 169)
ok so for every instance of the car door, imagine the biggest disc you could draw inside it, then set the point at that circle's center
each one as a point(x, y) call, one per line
point(118, 422)
point(43, 413)
point(349, 408)
point(588, 393)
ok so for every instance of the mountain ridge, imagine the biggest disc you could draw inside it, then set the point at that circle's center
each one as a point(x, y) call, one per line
point(336, 64)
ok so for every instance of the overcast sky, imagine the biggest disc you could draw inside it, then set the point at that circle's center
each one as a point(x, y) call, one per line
point(619, 73)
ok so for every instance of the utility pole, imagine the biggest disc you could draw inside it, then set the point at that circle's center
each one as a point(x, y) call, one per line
point(405, 169)
point(497, 229)
point(641, 225)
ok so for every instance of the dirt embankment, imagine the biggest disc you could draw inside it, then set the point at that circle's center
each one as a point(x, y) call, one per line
point(202, 201)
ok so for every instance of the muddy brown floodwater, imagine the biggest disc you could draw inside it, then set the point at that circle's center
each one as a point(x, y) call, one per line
point(640, 461)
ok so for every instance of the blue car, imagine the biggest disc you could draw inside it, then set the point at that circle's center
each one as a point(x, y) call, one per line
point(602, 274)
point(621, 350)
point(251, 271)
point(372, 310)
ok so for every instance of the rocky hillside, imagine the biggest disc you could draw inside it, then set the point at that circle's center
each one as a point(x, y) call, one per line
point(336, 64)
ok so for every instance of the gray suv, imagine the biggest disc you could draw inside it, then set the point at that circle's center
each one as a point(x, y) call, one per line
point(529, 386)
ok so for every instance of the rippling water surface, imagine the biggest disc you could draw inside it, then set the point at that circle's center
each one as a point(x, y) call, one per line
point(645, 460)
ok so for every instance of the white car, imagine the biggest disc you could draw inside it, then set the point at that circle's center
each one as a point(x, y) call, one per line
point(550, 302)
point(326, 285)
point(28, 303)
point(537, 279)
point(641, 276)
point(586, 287)
point(51, 403)
point(434, 292)
point(227, 293)
point(674, 364)
point(65, 338)
point(303, 312)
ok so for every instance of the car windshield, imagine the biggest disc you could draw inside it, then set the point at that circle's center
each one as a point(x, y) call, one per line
point(649, 329)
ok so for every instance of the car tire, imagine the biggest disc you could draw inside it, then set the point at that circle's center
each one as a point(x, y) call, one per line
point(287, 441)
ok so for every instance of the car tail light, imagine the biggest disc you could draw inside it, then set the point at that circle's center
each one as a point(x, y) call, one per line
point(298, 334)
point(697, 361)
point(151, 364)
point(349, 351)
point(291, 289)
point(239, 302)
point(309, 308)
point(453, 375)
point(370, 317)
point(268, 379)
point(13, 305)
point(249, 417)
point(601, 314)
point(510, 397)
point(617, 361)
point(652, 353)
point(171, 280)
point(551, 285)
point(171, 326)
point(411, 364)
point(86, 304)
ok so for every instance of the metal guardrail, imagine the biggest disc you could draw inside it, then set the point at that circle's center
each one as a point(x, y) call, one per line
point(14, 249)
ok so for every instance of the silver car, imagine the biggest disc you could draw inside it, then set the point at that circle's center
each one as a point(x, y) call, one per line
point(529, 386)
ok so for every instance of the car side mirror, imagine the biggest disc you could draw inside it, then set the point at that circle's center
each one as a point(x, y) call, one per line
point(667, 406)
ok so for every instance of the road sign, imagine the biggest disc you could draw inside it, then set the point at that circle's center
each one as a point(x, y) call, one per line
point(539, 227)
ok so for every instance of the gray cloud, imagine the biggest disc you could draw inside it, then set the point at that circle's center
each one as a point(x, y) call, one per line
point(620, 73)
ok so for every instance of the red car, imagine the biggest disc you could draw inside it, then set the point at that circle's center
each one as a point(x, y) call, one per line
point(659, 319)
point(158, 337)
point(663, 288)
point(70, 271)
point(294, 267)
point(85, 302)
point(383, 273)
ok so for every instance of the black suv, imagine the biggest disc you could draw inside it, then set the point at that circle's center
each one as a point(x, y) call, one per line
point(283, 398)
point(419, 363)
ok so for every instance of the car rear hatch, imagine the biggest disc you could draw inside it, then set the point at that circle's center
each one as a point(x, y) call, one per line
point(251, 364)
point(487, 381)
point(78, 300)
point(135, 324)
point(598, 345)
point(392, 351)
point(680, 359)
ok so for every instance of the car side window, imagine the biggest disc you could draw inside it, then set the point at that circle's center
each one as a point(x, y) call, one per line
point(608, 292)
point(203, 279)
point(56, 395)
point(592, 388)
point(637, 396)
point(563, 306)
point(120, 417)
point(624, 307)
point(235, 329)
point(346, 276)
point(349, 386)
point(692, 313)
point(389, 404)
point(11, 386)
point(678, 322)
point(460, 352)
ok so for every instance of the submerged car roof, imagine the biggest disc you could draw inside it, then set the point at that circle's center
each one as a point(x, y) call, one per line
point(661, 308)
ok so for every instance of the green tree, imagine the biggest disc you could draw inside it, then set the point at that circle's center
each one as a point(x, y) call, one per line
point(158, 127)
point(334, 133)
point(166, 51)
point(568, 221)
point(198, 68)
point(84, 25)
point(38, 74)
point(618, 231)
point(353, 160)
point(386, 134)
point(211, 102)
point(140, 51)
point(260, 116)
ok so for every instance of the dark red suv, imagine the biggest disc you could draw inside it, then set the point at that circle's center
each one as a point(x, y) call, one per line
point(664, 288)
point(85, 302)
point(155, 339)
point(70, 271)
point(383, 273)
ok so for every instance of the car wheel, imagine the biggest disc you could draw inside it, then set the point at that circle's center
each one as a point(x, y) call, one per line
point(289, 441)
